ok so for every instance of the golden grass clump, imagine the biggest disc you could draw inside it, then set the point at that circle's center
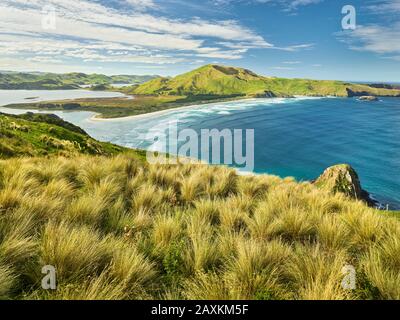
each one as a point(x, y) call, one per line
point(317, 275)
point(7, 282)
point(257, 267)
point(75, 251)
point(119, 228)
point(102, 287)
point(382, 265)
point(130, 267)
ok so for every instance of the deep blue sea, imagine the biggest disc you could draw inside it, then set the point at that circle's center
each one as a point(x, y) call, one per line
point(293, 137)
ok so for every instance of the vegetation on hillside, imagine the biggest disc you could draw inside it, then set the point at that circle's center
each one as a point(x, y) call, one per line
point(117, 228)
point(54, 81)
point(224, 81)
point(40, 135)
point(207, 80)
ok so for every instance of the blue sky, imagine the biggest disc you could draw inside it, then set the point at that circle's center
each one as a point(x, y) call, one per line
point(287, 38)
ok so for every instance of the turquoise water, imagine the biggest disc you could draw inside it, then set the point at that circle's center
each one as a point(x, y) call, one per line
point(293, 137)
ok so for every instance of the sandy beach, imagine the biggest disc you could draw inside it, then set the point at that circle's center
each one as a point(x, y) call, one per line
point(161, 112)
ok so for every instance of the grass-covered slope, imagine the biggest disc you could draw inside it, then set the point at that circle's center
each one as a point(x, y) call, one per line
point(215, 80)
point(54, 81)
point(207, 80)
point(39, 135)
point(115, 228)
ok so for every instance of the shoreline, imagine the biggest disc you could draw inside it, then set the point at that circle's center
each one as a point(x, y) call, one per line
point(95, 117)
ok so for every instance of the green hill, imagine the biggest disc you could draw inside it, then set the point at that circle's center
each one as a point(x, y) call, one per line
point(54, 81)
point(42, 135)
point(215, 80)
point(207, 80)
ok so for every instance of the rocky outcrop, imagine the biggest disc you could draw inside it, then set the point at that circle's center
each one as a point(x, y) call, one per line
point(270, 94)
point(368, 98)
point(344, 179)
point(384, 86)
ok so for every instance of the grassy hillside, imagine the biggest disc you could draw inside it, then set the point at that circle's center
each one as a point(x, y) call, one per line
point(116, 228)
point(215, 80)
point(39, 135)
point(53, 81)
point(207, 80)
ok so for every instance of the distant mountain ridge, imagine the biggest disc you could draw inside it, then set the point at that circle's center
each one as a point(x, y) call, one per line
point(54, 81)
point(217, 80)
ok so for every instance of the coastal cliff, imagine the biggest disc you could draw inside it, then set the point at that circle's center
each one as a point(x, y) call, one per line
point(344, 179)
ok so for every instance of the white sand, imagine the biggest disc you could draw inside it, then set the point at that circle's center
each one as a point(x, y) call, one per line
point(161, 112)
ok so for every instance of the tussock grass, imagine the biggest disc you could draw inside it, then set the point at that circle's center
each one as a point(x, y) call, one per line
point(130, 267)
point(207, 210)
point(76, 252)
point(167, 229)
point(148, 198)
point(202, 252)
point(116, 228)
point(102, 287)
point(262, 224)
point(317, 275)
point(294, 224)
point(206, 286)
point(256, 268)
point(7, 282)
point(381, 265)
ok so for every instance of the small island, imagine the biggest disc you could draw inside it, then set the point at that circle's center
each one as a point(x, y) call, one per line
point(368, 98)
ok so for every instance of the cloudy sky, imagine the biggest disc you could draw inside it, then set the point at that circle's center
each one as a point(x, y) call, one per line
point(290, 38)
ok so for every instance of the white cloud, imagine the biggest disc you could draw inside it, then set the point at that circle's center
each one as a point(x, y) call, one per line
point(374, 38)
point(90, 31)
point(288, 5)
point(385, 6)
point(298, 3)
point(291, 62)
point(377, 38)
point(282, 68)
point(298, 47)
point(140, 4)
point(43, 59)
point(16, 65)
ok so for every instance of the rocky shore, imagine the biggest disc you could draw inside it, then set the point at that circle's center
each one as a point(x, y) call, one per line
point(344, 179)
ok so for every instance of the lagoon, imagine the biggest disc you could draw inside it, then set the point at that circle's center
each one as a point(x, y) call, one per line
point(28, 96)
